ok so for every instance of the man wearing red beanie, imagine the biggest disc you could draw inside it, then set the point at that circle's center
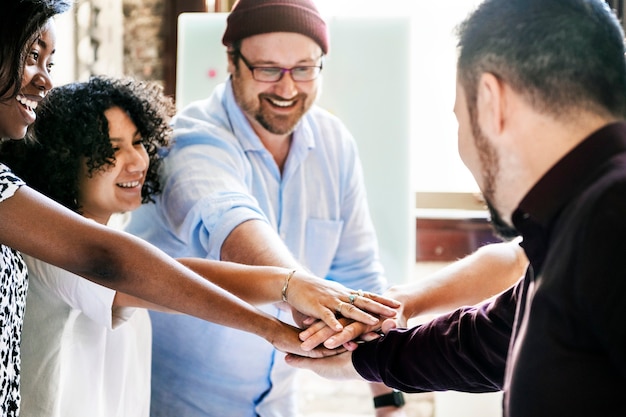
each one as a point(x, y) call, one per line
point(258, 175)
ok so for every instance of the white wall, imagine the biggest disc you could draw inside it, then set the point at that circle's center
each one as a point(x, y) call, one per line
point(64, 70)
point(436, 165)
point(89, 41)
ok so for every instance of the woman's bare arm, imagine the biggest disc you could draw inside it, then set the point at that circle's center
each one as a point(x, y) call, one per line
point(46, 230)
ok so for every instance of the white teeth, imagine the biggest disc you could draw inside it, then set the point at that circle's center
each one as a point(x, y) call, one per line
point(131, 184)
point(32, 105)
point(282, 103)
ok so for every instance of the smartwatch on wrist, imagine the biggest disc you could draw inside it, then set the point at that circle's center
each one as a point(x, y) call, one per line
point(393, 399)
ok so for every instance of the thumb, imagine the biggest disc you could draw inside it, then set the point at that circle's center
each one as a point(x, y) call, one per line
point(388, 325)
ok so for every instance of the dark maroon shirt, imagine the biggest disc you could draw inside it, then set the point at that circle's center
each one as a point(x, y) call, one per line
point(555, 342)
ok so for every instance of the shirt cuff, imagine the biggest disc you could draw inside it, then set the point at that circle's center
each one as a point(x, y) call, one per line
point(365, 361)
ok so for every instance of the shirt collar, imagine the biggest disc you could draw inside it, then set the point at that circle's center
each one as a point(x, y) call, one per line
point(540, 207)
point(564, 180)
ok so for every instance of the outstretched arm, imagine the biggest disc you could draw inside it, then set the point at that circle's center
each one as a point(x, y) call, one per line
point(44, 229)
point(487, 272)
point(470, 280)
point(255, 243)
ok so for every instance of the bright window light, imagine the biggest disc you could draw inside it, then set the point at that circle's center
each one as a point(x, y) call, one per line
point(437, 166)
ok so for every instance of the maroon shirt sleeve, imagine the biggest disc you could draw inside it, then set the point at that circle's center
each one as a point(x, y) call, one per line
point(465, 350)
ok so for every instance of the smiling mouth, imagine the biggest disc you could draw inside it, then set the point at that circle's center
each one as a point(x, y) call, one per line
point(29, 104)
point(282, 103)
point(131, 184)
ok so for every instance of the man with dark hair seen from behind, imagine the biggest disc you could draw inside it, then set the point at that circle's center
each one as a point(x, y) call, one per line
point(541, 101)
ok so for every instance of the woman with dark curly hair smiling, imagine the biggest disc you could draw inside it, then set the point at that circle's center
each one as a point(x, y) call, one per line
point(95, 149)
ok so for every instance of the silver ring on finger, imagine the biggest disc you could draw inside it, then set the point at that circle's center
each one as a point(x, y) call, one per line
point(352, 297)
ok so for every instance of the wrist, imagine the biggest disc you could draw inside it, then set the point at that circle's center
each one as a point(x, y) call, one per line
point(272, 330)
point(402, 295)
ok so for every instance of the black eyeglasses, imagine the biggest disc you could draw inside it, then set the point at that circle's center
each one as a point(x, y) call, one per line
point(274, 74)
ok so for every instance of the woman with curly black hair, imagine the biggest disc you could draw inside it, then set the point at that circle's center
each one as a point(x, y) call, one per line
point(72, 134)
point(95, 149)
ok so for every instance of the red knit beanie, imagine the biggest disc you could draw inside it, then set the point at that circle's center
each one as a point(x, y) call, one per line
point(254, 17)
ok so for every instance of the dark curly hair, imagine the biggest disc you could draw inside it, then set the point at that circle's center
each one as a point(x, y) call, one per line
point(71, 124)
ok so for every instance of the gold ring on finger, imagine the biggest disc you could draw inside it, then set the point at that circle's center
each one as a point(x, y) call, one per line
point(338, 309)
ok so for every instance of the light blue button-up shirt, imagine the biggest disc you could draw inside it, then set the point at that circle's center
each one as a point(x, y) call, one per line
point(218, 175)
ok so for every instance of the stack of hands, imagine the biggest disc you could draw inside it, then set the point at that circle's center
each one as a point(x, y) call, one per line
point(333, 320)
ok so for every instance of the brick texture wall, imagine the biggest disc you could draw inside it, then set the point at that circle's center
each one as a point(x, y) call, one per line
point(143, 39)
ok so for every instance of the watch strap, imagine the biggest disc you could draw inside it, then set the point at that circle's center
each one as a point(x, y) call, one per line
point(394, 398)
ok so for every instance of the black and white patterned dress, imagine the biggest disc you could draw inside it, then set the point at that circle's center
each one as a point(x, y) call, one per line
point(12, 301)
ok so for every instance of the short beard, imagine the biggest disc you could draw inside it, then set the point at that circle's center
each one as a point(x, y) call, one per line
point(490, 166)
point(279, 125)
point(501, 228)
